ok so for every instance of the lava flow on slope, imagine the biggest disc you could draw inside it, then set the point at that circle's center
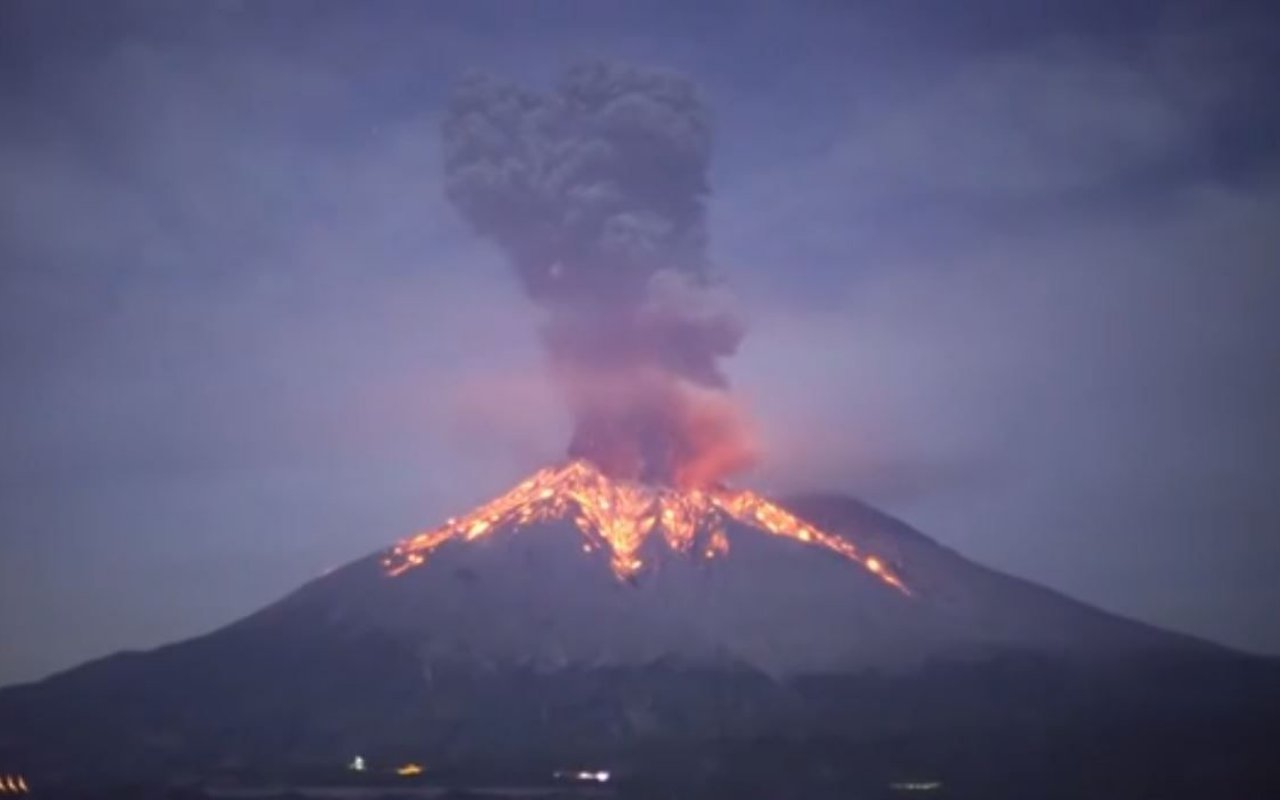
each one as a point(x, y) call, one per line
point(622, 515)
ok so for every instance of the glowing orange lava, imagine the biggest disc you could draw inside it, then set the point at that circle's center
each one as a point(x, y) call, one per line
point(622, 515)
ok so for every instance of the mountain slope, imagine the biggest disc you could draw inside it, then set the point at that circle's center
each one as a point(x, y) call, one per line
point(533, 597)
point(522, 643)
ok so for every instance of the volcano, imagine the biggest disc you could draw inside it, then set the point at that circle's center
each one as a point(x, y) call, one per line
point(572, 567)
point(580, 616)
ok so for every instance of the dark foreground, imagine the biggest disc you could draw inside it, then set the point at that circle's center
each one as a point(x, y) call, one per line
point(1199, 730)
point(1148, 758)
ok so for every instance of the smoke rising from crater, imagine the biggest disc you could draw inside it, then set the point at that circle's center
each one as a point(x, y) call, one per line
point(596, 192)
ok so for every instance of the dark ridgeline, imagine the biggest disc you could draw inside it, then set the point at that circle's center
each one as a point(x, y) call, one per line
point(778, 668)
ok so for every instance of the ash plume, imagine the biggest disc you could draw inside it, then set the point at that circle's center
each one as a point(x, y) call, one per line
point(596, 192)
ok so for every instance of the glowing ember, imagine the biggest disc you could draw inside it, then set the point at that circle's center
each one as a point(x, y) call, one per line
point(622, 515)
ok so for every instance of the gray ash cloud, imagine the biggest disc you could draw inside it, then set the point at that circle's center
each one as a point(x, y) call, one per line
point(596, 192)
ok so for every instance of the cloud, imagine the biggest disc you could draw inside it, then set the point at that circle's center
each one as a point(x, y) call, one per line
point(1025, 132)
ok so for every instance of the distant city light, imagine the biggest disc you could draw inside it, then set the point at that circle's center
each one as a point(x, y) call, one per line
point(592, 776)
point(409, 769)
point(357, 764)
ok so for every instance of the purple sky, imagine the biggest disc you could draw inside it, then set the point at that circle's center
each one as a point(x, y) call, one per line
point(1013, 277)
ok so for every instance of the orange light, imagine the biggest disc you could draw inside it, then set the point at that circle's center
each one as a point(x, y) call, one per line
point(622, 515)
point(409, 769)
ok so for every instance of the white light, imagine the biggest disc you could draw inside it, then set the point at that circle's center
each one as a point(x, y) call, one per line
point(357, 764)
point(602, 776)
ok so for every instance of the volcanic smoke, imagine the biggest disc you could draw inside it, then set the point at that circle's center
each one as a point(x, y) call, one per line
point(596, 192)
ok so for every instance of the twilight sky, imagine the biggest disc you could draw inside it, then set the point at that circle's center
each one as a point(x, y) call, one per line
point(1010, 275)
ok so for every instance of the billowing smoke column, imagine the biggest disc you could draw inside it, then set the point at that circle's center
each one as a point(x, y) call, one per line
point(597, 192)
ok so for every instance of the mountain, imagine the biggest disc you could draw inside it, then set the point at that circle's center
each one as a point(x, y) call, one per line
point(771, 606)
point(525, 646)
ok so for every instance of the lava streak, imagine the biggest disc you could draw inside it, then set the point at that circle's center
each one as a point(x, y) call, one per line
point(622, 515)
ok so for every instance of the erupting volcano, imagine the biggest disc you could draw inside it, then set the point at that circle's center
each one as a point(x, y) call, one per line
point(627, 601)
point(619, 517)
point(596, 193)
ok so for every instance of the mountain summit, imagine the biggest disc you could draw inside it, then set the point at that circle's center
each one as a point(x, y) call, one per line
point(572, 569)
